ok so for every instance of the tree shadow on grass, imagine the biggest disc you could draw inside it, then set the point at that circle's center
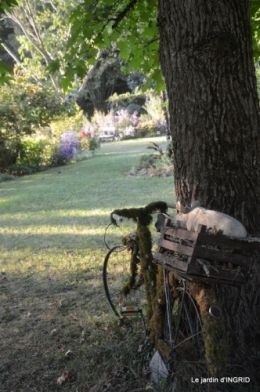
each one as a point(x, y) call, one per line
point(50, 324)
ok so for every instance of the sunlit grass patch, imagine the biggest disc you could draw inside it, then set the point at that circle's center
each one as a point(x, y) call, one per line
point(51, 292)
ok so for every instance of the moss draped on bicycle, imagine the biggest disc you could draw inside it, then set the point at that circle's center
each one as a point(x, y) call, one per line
point(143, 218)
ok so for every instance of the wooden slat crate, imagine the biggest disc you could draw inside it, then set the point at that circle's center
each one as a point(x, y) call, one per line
point(202, 256)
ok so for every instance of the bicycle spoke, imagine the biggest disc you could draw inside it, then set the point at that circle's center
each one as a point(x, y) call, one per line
point(187, 335)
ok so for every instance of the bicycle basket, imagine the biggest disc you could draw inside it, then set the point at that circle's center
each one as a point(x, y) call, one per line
point(202, 256)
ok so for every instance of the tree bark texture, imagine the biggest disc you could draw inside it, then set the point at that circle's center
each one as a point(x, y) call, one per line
point(207, 60)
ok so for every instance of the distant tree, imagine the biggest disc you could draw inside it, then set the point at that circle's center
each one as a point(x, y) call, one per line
point(43, 38)
point(4, 70)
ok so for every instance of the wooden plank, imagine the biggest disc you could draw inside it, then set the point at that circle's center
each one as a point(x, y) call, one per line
point(182, 249)
point(227, 275)
point(197, 276)
point(181, 234)
point(207, 279)
point(227, 242)
point(215, 255)
point(170, 261)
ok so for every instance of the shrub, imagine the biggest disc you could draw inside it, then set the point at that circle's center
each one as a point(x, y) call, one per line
point(21, 170)
point(6, 177)
point(68, 147)
point(71, 139)
point(8, 153)
point(30, 152)
point(90, 143)
point(123, 119)
point(146, 161)
point(74, 123)
point(146, 127)
point(159, 164)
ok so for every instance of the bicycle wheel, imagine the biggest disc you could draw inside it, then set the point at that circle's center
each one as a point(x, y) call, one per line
point(183, 327)
point(116, 272)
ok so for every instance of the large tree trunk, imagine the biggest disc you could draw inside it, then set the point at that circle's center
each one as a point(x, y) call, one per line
point(206, 57)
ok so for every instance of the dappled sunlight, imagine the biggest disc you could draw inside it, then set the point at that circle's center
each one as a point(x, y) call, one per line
point(49, 230)
point(46, 215)
point(52, 227)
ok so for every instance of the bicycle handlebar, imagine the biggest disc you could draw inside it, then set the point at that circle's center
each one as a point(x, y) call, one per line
point(118, 218)
point(173, 206)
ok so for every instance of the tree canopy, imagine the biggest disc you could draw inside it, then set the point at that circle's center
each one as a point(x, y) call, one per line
point(84, 28)
point(132, 27)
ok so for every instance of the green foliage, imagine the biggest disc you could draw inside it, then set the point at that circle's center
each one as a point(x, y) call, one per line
point(146, 161)
point(146, 127)
point(5, 76)
point(24, 108)
point(43, 38)
point(6, 4)
point(157, 148)
point(255, 17)
point(29, 154)
point(90, 144)
point(130, 26)
point(34, 152)
point(125, 100)
point(154, 107)
point(21, 170)
point(65, 123)
point(8, 153)
point(155, 165)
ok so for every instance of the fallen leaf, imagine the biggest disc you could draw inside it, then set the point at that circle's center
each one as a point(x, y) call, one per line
point(63, 378)
point(55, 303)
point(54, 331)
point(140, 348)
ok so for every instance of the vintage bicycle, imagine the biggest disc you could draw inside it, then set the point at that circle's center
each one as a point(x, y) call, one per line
point(130, 291)
point(172, 291)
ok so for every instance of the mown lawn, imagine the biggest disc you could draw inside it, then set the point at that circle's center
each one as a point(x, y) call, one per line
point(53, 316)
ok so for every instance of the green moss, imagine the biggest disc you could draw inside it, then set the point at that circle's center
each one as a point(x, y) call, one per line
point(148, 269)
point(214, 331)
point(134, 261)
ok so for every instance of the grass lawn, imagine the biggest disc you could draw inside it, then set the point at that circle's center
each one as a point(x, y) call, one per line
point(54, 317)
